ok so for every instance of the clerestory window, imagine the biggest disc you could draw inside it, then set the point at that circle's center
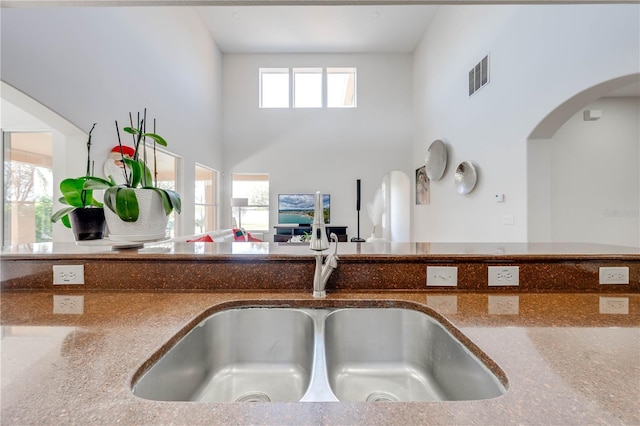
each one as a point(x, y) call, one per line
point(311, 87)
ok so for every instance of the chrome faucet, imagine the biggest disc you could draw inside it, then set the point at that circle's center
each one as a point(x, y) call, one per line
point(320, 243)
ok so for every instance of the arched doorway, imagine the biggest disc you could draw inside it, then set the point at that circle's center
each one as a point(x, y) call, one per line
point(582, 165)
point(25, 114)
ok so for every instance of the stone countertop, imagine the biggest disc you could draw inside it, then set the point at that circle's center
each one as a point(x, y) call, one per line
point(567, 361)
point(364, 251)
point(246, 266)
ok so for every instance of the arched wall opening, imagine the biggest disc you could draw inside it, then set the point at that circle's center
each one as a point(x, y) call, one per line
point(22, 113)
point(583, 162)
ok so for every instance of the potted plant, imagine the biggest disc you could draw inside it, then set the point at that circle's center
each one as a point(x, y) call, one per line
point(137, 210)
point(84, 214)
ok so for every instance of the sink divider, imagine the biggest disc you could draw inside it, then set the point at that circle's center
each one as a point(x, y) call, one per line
point(319, 389)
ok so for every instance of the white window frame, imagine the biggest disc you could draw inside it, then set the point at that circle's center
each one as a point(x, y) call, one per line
point(322, 88)
point(215, 205)
point(267, 71)
point(324, 96)
point(177, 186)
point(247, 176)
point(342, 70)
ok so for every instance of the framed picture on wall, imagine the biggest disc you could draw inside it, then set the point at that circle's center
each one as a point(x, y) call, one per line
point(422, 186)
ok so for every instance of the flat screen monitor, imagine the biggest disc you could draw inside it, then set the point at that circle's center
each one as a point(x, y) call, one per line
point(297, 209)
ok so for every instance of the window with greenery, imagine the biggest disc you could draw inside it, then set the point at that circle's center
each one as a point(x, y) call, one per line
point(206, 199)
point(165, 171)
point(254, 187)
point(28, 187)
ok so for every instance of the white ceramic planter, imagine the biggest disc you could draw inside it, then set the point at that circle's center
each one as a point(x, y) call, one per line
point(151, 224)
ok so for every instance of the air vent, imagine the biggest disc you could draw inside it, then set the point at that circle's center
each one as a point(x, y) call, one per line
point(479, 75)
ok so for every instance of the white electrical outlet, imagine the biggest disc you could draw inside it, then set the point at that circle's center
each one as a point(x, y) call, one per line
point(68, 274)
point(442, 276)
point(68, 304)
point(614, 305)
point(614, 275)
point(504, 275)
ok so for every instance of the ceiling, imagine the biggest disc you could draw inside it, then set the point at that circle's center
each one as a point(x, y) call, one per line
point(317, 29)
point(325, 29)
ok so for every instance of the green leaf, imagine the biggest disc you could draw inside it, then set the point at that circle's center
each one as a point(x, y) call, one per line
point(93, 182)
point(127, 204)
point(131, 130)
point(175, 200)
point(66, 222)
point(137, 169)
point(166, 203)
point(146, 180)
point(60, 214)
point(156, 137)
point(72, 191)
point(88, 199)
point(170, 199)
point(159, 139)
point(110, 198)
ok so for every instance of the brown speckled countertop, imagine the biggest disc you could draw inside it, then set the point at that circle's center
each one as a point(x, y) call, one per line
point(375, 250)
point(242, 266)
point(566, 360)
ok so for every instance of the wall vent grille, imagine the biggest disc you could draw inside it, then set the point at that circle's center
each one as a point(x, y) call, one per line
point(479, 75)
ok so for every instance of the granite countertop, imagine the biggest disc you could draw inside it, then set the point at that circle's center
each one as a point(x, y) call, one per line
point(364, 251)
point(567, 361)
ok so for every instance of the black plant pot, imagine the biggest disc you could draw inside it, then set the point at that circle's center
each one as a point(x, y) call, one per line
point(87, 223)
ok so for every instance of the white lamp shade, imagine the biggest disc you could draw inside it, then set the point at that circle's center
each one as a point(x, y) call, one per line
point(239, 202)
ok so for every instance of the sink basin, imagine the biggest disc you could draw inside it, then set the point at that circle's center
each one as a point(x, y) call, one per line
point(401, 355)
point(243, 355)
point(260, 354)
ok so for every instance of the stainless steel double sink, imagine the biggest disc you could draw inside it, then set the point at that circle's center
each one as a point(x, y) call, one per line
point(281, 354)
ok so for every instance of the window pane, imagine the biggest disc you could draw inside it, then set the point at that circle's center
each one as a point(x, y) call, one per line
point(274, 88)
point(28, 188)
point(307, 87)
point(204, 220)
point(164, 170)
point(205, 199)
point(254, 187)
point(341, 87)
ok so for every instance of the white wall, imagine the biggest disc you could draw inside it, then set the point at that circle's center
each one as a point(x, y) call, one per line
point(98, 64)
point(594, 176)
point(539, 57)
point(85, 65)
point(15, 118)
point(308, 150)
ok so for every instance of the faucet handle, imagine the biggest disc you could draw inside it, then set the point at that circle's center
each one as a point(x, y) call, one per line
point(319, 240)
point(334, 238)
